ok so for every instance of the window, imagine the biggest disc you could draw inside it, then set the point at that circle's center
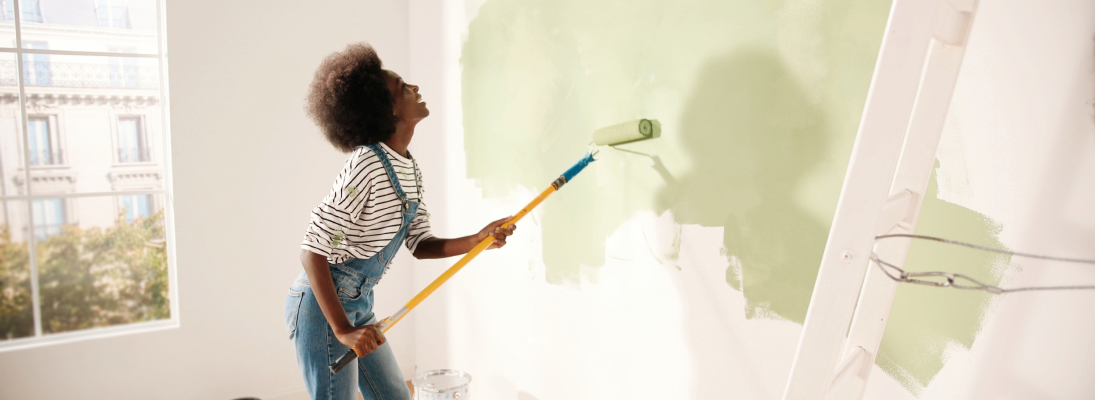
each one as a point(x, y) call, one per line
point(132, 146)
point(36, 67)
point(112, 13)
point(86, 240)
point(49, 216)
point(136, 206)
point(124, 72)
point(43, 142)
point(31, 10)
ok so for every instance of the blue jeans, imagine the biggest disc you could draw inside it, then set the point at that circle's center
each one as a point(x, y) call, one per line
point(376, 375)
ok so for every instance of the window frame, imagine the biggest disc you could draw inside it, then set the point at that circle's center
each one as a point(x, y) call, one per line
point(65, 208)
point(56, 141)
point(142, 135)
point(99, 16)
point(153, 205)
point(161, 198)
point(15, 10)
point(43, 74)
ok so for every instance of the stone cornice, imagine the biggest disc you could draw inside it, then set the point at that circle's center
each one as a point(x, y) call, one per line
point(43, 102)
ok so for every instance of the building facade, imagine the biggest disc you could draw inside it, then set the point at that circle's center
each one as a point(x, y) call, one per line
point(93, 123)
point(82, 170)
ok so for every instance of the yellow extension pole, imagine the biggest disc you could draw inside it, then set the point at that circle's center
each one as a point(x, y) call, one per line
point(387, 323)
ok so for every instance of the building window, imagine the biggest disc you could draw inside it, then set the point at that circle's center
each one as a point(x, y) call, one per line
point(36, 67)
point(112, 13)
point(31, 10)
point(43, 142)
point(137, 206)
point(49, 216)
point(132, 142)
point(124, 72)
point(85, 205)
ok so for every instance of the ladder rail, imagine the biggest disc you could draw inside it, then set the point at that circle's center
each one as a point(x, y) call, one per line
point(888, 172)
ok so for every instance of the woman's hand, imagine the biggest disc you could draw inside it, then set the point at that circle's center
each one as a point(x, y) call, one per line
point(363, 339)
point(440, 248)
point(495, 229)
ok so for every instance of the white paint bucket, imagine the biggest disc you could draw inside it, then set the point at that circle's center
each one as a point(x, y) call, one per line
point(441, 384)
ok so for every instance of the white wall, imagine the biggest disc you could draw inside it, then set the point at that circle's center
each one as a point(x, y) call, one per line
point(248, 167)
point(1019, 147)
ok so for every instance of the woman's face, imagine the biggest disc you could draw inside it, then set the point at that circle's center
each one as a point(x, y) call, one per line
point(408, 105)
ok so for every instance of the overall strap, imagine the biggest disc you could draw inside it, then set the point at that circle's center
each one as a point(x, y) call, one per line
point(391, 173)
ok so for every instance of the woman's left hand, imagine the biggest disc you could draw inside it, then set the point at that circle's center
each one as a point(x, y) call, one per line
point(495, 229)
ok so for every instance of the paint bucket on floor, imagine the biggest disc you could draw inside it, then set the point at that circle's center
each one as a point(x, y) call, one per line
point(441, 384)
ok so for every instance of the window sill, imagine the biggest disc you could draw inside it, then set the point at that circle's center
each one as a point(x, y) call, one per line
point(86, 334)
point(135, 164)
point(52, 167)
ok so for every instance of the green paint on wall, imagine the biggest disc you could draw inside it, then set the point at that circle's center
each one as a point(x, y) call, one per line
point(925, 320)
point(759, 104)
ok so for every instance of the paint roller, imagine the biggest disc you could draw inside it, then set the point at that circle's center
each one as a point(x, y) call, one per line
point(626, 132)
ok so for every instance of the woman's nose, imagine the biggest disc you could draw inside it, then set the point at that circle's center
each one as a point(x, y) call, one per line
point(415, 87)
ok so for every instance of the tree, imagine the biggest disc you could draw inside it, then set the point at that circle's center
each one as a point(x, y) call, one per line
point(88, 278)
point(16, 315)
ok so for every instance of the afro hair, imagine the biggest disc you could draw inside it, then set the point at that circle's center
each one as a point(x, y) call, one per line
point(349, 98)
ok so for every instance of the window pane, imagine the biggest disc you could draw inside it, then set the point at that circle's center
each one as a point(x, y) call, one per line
point(104, 268)
point(16, 304)
point(127, 26)
point(107, 137)
point(30, 10)
point(49, 216)
point(42, 148)
point(137, 206)
point(132, 143)
point(36, 68)
point(12, 157)
point(7, 25)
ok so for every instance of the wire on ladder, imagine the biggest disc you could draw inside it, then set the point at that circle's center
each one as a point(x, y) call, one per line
point(960, 281)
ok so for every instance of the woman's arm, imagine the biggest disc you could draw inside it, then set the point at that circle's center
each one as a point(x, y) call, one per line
point(441, 248)
point(363, 339)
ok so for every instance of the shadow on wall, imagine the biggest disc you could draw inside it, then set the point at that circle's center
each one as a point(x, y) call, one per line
point(538, 77)
point(752, 135)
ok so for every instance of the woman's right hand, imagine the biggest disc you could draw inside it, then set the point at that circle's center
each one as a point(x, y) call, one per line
point(363, 339)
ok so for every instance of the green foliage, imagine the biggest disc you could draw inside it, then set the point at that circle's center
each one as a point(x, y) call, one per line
point(88, 278)
point(16, 315)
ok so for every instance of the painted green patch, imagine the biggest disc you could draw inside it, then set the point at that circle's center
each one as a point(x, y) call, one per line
point(759, 104)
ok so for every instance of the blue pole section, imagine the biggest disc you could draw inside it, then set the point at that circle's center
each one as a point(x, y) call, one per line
point(573, 171)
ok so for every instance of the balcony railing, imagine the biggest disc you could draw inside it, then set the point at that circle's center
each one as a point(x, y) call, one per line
point(47, 157)
point(81, 75)
point(134, 154)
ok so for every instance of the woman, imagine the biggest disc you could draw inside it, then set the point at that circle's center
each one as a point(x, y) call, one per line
point(374, 205)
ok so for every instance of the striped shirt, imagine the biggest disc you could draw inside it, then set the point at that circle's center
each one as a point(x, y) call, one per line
point(363, 213)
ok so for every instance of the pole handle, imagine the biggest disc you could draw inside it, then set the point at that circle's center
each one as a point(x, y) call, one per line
point(343, 361)
point(387, 323)
point(351, 355)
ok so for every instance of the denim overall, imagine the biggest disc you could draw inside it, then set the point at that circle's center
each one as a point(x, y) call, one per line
point(376, 375)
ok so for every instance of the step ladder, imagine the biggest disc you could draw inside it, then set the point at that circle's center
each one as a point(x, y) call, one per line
point(891, 163)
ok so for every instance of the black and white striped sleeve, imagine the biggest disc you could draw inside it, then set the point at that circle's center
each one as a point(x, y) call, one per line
point(336, 217)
